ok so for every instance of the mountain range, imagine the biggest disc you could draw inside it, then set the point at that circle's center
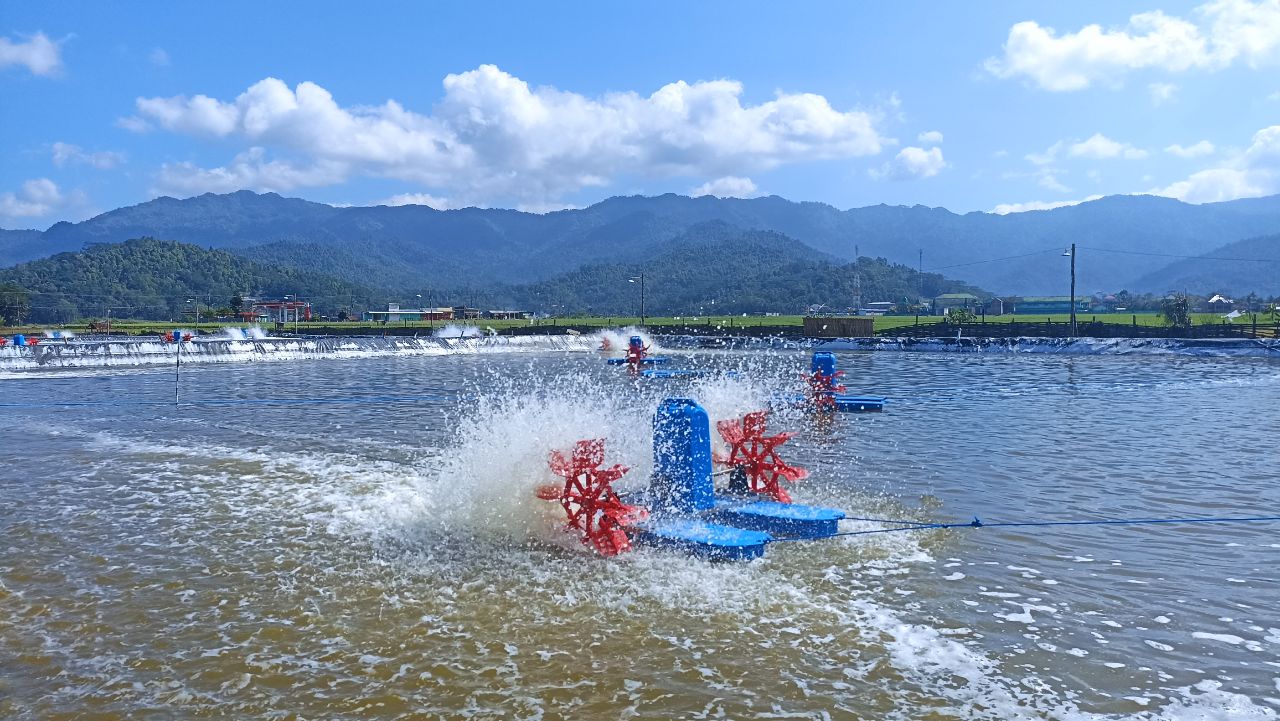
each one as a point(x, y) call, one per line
point(1136, 243)
point(713, 268)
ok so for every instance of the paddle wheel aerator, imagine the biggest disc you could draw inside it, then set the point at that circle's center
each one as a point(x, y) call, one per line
point(823, 389)
point(756, 455)
point(684, 512)
point(636, 352)
point(592, 506)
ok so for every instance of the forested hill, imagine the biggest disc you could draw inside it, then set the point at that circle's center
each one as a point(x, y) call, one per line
point(1122, 239)
point(713, 267)
point(149, 278)
point(716, 268)
point(1246, 266)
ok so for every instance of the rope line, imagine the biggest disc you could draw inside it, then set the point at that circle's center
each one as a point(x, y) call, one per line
point(979, 523)
point(239, 401)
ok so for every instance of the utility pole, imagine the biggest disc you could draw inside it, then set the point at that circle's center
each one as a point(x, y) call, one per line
point(920, 277)
point(1073, 290)
point(642, 299)
point(857, 282)
point(641, 279)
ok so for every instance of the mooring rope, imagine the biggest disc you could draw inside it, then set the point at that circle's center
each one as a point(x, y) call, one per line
point(979, 523)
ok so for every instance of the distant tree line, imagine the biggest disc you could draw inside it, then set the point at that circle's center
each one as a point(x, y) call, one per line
point(718, 269)
point(158, 279)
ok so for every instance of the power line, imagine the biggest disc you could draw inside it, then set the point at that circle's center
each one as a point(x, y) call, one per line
point(1175, 255)
point(1055, 249)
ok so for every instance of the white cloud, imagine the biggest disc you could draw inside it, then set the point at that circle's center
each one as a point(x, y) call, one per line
point(911, 162)
point(201, 115)
point(159, 57)
point(1101, 147)
point(544, 208)
point(730, 186)
point(249, 169)
point(1244, 30)
point(930, 137)
point(1048, 156)
point(38, 53)
point(1228, 31)
point(1252, 173)
point(1048, 178)
point(39, 198)
point(1161, 93)
point(1097, 146)
point(1006, 208)
point(1204, 147)
point(1045, 177)
point(1212, 186)
point(133, 124)
point(493, 136)
point(426, 199)
point(64, 153)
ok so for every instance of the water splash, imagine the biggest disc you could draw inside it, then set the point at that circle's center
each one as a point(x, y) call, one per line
point(257, 347)
point(250, 333)
point(615, 340)
point(481, 486)
point(454, 330)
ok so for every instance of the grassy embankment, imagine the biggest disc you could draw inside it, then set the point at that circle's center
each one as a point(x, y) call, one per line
point(726, 322)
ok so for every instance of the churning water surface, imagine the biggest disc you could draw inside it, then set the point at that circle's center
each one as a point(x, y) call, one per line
point(382, 555)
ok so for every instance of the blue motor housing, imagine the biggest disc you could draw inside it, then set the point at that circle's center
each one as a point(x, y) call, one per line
point(681, 458)
point(823, 361)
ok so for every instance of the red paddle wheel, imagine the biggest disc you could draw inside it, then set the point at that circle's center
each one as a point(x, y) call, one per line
point(589, 500)
point(823, 389)
point(757, 455)
point(636, 353)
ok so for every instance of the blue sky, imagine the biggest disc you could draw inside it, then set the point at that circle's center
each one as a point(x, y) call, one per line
point(1003, 106)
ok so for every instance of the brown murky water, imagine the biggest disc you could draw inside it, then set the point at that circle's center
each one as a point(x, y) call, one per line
point(386, 559)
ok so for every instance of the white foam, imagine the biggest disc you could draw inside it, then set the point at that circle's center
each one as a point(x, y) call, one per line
point(1220, 637)
point(235, 346)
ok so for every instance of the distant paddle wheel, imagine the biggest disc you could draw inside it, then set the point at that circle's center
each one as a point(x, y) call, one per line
point(755, 455)
point(590, 503)
point(823, 389)
point(636, 353)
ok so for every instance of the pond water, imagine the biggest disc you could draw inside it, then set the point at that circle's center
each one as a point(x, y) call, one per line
point(359, 538)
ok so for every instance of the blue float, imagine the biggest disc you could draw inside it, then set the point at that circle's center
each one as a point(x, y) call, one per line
point(822, 375)
point(19, 340)
point(860, 404)
point(673, 373)
point(650, 360)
